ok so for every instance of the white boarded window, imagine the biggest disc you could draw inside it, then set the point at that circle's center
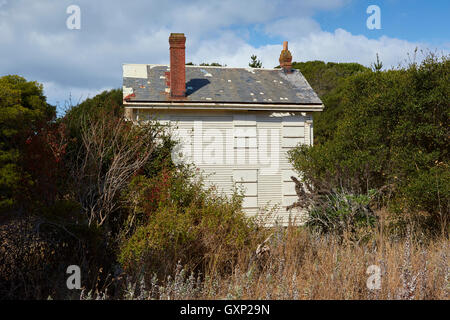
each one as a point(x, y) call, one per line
point(245, 138)
point(247, 181)
point(250, 188)
point(250, 202)
point(293, 131)
point(183, 133)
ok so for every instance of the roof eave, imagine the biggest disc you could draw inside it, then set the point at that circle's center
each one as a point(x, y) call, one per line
point(223, 106)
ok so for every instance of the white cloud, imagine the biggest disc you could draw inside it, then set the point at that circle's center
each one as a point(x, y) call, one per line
point(35, 42)
point(338, 46)
point(342, 46)
point(292, 28)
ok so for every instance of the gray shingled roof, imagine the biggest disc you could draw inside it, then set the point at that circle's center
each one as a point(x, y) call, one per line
point(146, 83)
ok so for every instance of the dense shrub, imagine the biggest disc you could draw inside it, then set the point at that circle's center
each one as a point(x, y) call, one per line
point(336, 211)
point(73, 171)
point(342, 213)
point(23, 113)
point(326, 79)
point(178, 219)
point(392, 136)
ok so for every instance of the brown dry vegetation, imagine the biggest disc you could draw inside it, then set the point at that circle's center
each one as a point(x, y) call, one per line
point(302, 265)
point(295, 263)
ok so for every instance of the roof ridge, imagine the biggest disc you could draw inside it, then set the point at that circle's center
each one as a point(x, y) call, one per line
point(227, 67)
point(191, 66)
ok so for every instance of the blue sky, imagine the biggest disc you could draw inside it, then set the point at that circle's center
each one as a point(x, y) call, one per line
point(36, 43)
point(412, 20)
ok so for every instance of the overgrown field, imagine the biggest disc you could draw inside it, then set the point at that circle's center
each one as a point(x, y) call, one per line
point(93, 190)
point(297, 264)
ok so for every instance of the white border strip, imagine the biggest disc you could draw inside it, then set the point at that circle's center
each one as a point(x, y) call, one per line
point(222, 106)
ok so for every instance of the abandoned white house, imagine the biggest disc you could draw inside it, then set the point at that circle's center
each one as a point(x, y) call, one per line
point(236, 124)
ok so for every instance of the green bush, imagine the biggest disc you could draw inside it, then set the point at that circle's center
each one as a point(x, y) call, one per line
point(392, 131)
point(342, 213)
point(23, 112)
point(177, 219)
point(326, 79)
point(427, 189)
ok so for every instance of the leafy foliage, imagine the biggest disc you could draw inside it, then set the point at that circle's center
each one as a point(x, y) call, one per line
point(378, 65)
point(254, 62)
point(204, 64)
point(342, 213)
point(23, 112)
point(326, 79)
point(212, 64)
point(178, 219)
point(97, 186)
point(391, 135)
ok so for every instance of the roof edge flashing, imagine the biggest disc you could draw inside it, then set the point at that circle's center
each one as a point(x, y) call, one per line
point(223, 106)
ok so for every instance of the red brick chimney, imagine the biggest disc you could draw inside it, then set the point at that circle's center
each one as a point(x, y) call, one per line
point(286, 58)
point(177, 65)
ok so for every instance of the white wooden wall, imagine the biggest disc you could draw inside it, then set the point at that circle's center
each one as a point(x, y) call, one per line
point(236, 158)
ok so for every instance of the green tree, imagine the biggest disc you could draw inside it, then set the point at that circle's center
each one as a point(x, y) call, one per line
point(23, 113)
point(212, 64)
point(378, 65)
point(325, 79)
point(255, 63)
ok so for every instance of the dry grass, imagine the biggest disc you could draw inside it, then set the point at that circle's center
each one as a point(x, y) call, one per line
point(305, 266)
point(294, 263)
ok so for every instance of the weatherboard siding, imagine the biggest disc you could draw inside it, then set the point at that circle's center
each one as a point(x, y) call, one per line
point(231, 153)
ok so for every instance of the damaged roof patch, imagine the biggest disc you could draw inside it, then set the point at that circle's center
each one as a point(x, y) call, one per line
point(220, 85)
point(135, 71)
point(207, 74)
point(127, 91)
